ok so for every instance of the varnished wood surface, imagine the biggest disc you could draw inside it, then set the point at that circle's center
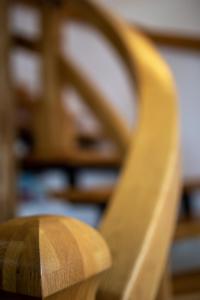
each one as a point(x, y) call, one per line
point(150, 178)
point(43, 256)
point(139, 212)
point(192, 296)
point(90, 159)
point(188, 228)
point(51, 123)
point(165, 289)
point(7, 127)
point(92, 195)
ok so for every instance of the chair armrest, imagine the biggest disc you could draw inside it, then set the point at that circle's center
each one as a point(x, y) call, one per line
point(50, 255)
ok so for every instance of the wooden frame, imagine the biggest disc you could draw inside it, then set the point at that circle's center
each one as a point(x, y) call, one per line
point(188, 225)
point(173, 40)
point(7, 131)
point(139, 212)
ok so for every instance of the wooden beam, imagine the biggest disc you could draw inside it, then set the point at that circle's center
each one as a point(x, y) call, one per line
point(188, 228)
point(174, 40)
point(19, 41)
point(7, 127)
point(92, 195)
point(53, 127)
point(75, 159)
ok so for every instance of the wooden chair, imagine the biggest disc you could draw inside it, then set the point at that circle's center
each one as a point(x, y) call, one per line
point(46, 110)
point(61, 258)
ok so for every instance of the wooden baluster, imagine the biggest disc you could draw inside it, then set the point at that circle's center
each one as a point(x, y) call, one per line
point(7, 132)
point(54, 131)
point(49, 257)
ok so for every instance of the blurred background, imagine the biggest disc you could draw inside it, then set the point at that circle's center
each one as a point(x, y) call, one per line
point(57, 187)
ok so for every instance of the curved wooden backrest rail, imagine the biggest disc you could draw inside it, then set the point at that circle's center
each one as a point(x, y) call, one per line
point(139, 221)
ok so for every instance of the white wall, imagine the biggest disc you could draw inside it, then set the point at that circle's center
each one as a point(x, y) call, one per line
point(182, 16)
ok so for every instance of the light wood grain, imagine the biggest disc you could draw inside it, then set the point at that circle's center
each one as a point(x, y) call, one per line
point(165, 289)
point(53, 128)
point(139, 223)
point(139, 238)
point(51, 257)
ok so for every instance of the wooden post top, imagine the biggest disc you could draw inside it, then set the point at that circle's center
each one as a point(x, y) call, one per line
point(41, 256)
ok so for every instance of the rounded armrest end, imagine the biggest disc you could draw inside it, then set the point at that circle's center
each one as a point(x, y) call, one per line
point(44, 255)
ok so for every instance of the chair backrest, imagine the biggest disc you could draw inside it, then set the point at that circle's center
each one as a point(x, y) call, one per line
point(48, 113)
point(139, 220)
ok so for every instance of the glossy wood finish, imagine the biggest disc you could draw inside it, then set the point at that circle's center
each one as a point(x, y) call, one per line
point(165, 289)
point(51, 111)
point(139, 258)
point(7, 131)
point(45, 256)
point(52, 124)
point(145, 201)
point(85, 195)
